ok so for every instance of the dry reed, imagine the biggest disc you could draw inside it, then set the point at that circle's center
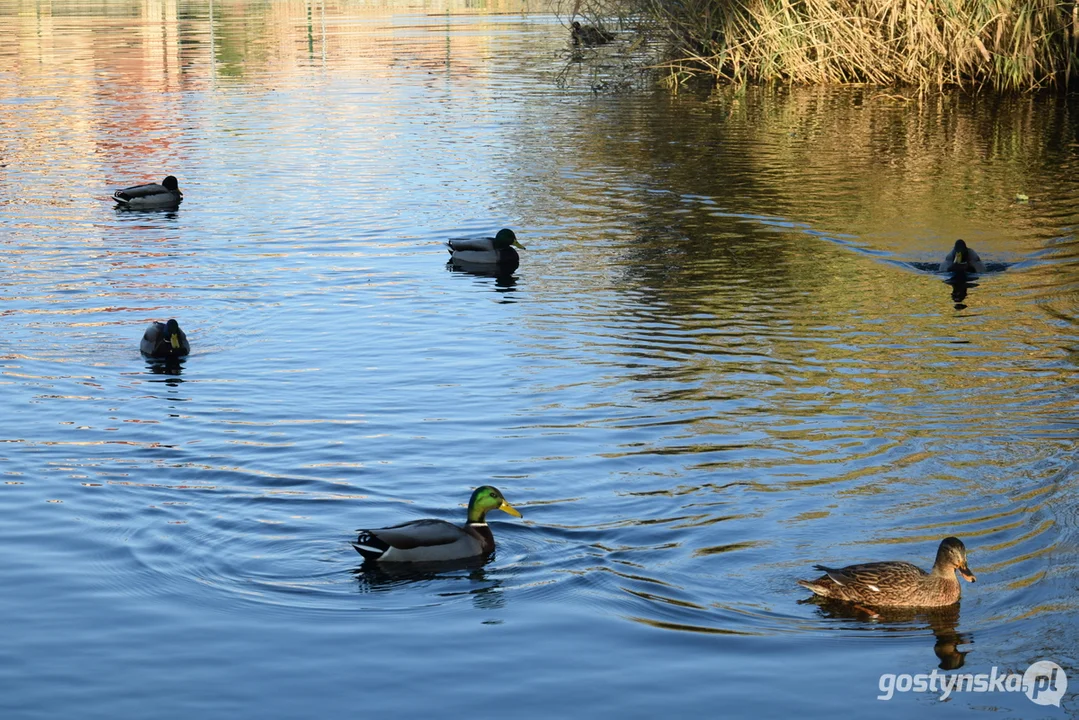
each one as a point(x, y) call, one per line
point(1001, 44)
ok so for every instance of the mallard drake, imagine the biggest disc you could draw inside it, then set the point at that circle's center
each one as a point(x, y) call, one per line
point(437, 540)
point(164, 340)
point(589, 34)
point(897, 584)
point(498, 250)
point(962, 259)
point(152, 195)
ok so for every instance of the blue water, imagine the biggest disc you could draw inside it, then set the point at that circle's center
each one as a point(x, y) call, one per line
point(724, 358)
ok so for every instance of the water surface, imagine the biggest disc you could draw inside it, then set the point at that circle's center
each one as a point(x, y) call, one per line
point(724, 358)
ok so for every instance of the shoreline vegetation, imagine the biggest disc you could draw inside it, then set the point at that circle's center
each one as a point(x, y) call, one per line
point(1002, 45)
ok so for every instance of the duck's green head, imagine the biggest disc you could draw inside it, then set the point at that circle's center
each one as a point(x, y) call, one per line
point(171, 183)
point(485, 499)
point(960, 252)
point(172, 329)
point(505, 238)
point(952, 556)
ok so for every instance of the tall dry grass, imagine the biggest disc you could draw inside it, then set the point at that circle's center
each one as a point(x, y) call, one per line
point(1002, 44)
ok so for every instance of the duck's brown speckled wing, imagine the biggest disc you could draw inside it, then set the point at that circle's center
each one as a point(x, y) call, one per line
point(869, 579)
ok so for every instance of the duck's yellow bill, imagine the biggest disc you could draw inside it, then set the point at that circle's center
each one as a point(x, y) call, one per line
point(517, 244)
point(174, 339)
point(506, 507)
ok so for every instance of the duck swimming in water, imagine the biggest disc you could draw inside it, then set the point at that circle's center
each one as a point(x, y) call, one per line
point(437, 540)
point(962, 259)
point(589, 35)
point(151, 195)
point(164, 340)
point(897, 584)
point(497, 251)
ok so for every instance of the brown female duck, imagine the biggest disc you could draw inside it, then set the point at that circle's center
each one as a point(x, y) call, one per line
point(897, 584)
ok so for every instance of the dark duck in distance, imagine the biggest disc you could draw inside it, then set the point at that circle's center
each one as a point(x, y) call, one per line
point(164, 340)
point(897, 584)
point(151, 195)
point(495, 252)
point(962, 260)
point(589, 34)
point(434, 541)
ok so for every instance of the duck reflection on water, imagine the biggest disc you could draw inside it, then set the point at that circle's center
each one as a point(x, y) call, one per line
point(460, 577)
point(943, 622)
point(505, 281)
point(172, 368)
point(960, 282)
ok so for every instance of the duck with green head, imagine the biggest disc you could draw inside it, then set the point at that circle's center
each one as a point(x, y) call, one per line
point(962, 259)
point(497, 251)
point(165, 340)
point(897, 584)
point(150, 196)
point(437, 540)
